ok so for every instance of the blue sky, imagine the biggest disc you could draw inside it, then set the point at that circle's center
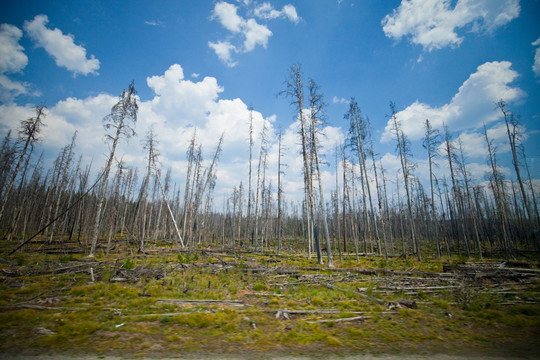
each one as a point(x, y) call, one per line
point(203, 63)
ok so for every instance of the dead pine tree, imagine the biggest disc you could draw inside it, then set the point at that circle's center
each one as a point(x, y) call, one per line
point(121, 119)
point(28, 136)
point(514, 138)
point(431, 143)
point(497, 187)
point(63, 177)
point(316, 113)
point(472, 211)
point(149, 144)
point(406, 168)
point(379, 196)
point(249, 231)
point(207, 182)
point(191, 155)
point(279, 191)
point(451, 155)
point(295, 91)
point(262, 156)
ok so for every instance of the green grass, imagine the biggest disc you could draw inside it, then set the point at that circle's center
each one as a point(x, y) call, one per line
point(125, 317)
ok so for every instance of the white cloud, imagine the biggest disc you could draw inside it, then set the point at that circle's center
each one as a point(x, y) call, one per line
point(336, 100)
point(224, 50)
point(61, 47)
point(246, 33)
point(433, 23)
point(290, 12)
point(12, 57)
point(153, 22)
point(256, 34)
point(227, 15)
point(267, 11)
point(536, 65)
point(12, 60)
point(470, 108)
point(9, 89)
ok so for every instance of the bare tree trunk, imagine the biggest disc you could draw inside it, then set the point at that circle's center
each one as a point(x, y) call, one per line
point(187, 202)
point(513, 138)
point(498, 193)
point(403, 150)
point(317, 106)
point(379, 200)
point(124, 112)
point(296, 92)
point(431, 142)
point(262, 155)
point(249, 230)
point(279, 194)
point(29, 133)
point(469, 199)
point(450, 152)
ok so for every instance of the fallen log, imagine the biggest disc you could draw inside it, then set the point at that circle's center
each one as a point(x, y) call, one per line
point(354, 318)
point(40, 307)
point(180, 301)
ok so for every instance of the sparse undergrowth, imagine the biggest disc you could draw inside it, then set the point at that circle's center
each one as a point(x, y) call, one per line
point(171, 303)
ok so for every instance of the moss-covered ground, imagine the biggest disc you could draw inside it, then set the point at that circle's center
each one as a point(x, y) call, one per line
point(135, 306)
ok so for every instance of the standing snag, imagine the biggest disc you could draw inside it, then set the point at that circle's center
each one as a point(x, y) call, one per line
point(122, 118)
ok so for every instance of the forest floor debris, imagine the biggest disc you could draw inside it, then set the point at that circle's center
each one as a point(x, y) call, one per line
point(169, 303)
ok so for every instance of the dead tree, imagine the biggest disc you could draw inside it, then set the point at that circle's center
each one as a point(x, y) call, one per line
point(451, 157)
point(121, 119)
point(406, 167)
point(512, 129)
point(497, 187)
point(295, 91)
point(262, 160)
point(464, 173)
point(149, 144)
point(249, 231)
point(28, 136)
point(431, 143)
point(279, 192)
point(191, 153)
point(316, 112)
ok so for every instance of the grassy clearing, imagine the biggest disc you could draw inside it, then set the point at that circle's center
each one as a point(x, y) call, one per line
point(50, 305)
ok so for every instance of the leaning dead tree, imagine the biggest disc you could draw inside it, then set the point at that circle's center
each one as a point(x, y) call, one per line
point(514, 138)
point(122, 118)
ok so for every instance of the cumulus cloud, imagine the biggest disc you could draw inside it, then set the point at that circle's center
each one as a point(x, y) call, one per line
point(61, 47)
point(12, 60)
point(12, 57)
point(224, 50)
point(228, 17)
point(246, 33)
point(434, 23)
point(471, 107)
point(256, 34)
